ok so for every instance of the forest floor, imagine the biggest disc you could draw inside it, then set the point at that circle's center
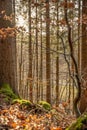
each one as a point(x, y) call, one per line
point(17, 117)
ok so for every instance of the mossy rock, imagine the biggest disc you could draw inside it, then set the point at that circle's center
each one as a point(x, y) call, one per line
point(45, 105)
point(80, 123)
point(22, 102)
point(6, 90)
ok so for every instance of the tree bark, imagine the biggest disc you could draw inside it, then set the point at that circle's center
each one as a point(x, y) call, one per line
point(48, 89)
point(30, 55)
point(83, 102)
point(57, 61)
point(8, 71)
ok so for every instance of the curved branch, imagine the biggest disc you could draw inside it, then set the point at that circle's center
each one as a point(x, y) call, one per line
point(78, 95)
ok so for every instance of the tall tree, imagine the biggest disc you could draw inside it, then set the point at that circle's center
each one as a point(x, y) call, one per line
point(83, 102)
point(37, 85)
point(41, 59)
point(48, 89)
point(57, 61)
point(8, 72)
point(30, 55)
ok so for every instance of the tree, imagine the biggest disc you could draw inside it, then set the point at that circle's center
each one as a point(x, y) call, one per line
point(57, 63)
point(37, 85)
point(8, 72)
point(41, 63)
point(48, 89)
point(76, 79)
point(83, 102)
point(30, 55)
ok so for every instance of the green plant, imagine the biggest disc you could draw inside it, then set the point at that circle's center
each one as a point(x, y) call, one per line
point(22, 102)
point(6, 90)
point(45, 105)
point(78, 125)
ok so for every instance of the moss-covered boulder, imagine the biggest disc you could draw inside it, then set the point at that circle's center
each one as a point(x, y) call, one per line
point(22, 102)
point(7, 93)
point(80, 124)
point(45, 105)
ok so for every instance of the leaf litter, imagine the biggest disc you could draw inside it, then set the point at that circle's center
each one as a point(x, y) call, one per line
point(15, 117)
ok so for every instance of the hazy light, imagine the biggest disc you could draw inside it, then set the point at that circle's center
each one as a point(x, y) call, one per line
point(20, 21)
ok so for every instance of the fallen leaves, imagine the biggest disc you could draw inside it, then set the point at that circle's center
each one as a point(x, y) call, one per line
point(56, 128)
point(21, 119)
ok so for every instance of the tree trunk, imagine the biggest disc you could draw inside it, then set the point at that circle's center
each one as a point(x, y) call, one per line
point(30, 56)
point(37, 85)
point(57, 62)
point(83, 102)
point(8, 73)
point(41, 62)
point(48, 89)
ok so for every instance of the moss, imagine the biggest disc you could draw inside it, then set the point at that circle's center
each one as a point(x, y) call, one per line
point(22, 102)
point(6, 99)
point(45, 105)
point(6, 90)
point(78, 125)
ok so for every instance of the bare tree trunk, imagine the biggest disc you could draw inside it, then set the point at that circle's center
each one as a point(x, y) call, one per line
point(57, 63)
point(48, 89)
point(41, 64)
point(30, 56)
point(20, 65)
point(83, 102)
point(37, 85)
point(8, 70)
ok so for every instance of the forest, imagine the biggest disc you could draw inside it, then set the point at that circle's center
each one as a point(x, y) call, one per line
point(43, 64)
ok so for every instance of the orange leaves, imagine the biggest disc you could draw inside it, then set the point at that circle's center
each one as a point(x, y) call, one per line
point(48, 116)
point(7, 32)
point(6, 17)
point(65, 104)
point(36, 4)
point(12, 124)
point(9, 18)
point(84, 19)
point(3, 12)
point(17, 118)
point(56, 128)
point(2, 34)
point(62, 22)
point(4, 111)
point(21, 116)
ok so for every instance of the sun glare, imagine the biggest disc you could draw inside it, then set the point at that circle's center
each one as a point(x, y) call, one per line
point(20, 21)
